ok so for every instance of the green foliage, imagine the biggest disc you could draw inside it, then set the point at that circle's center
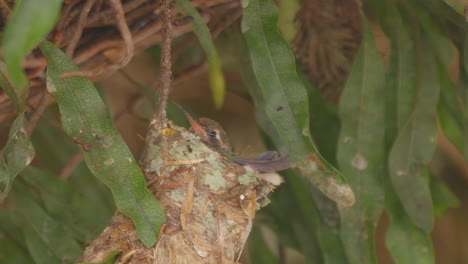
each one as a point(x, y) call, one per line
point(86, 120)
point(281, 99)
point(74, 209)
point(388, 133)
point(203, 33)
point(29, 23)
point(47, 240)
point(12, 253)
point(361, 150)
point(381, 136)
point(16, 155)
point(8, 87)
point(54, 228)
point(416, 139)
point(442, 197)
point(258, 243)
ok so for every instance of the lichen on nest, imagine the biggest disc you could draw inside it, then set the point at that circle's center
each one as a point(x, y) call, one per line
point(214, 217)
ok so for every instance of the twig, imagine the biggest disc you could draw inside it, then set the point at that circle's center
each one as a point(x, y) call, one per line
point(79, 28)
point(227, 21)
point(127, 37)
point(282, 253)
point(38, 113)
point(5, 10)
point(69, 12)
point(106, 16)
point(166, 64)
point(71, 165)
point(125, 32)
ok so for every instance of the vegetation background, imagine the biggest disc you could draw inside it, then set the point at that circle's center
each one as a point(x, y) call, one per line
point(380, 91)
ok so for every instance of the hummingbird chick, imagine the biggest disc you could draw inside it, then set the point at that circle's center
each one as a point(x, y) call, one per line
point(212, 134)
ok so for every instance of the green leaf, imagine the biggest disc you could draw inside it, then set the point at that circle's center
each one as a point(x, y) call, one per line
point(66, 204)
point(464, 94)
point(402, 75)
point(12, 242)
point(433, 33)
point(259, 251)
point(29, 23)
point(465, 52)
point(287, 19)
point(302, 220)
point(281, 99)
point(16, 155)
point(416, 141)
point(46, 239)
point(110, 259)
point(12, 253)
point(324, 122)
point(361, 149)
point(457, 5)
point(202, 31)
point(314, 227)
point(12, 223)
point(86, 120)
point(39, 250)
point(442, 196)
point(451, 111)
point(281, 93)
point(6, 85)
point(407, 243)
point(45, 134)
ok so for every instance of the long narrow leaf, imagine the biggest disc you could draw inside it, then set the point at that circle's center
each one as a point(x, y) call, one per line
point(16, 155)
point(281, 99)
point(86, 120)
point(406, 242)
point(464, 93)
point(202, 31)
point(11, 253)
point(324, 122)
point(12, 249)
point(39, 250)
point(29, 23)
point(321, 229)
point(415, 144)
point(58, 156)
point(8, 87)
point(361, 150)
point(260, 252)
point(443, 198)
point(67, 205)
point(46, 239)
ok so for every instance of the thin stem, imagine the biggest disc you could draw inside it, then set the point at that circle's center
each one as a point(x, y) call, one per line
point(166, 64)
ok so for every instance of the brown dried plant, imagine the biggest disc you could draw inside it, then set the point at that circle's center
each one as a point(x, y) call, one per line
point(102, 36)
point(327, 40)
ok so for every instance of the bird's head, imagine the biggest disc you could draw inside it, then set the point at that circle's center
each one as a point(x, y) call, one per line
point(211, 133)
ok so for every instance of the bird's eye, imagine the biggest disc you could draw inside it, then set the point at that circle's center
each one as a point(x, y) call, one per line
point(212, 134)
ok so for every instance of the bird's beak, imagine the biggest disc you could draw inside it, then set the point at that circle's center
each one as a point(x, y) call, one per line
point(197, 128)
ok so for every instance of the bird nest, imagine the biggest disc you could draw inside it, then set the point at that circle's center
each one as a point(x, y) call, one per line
point(209, 201)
